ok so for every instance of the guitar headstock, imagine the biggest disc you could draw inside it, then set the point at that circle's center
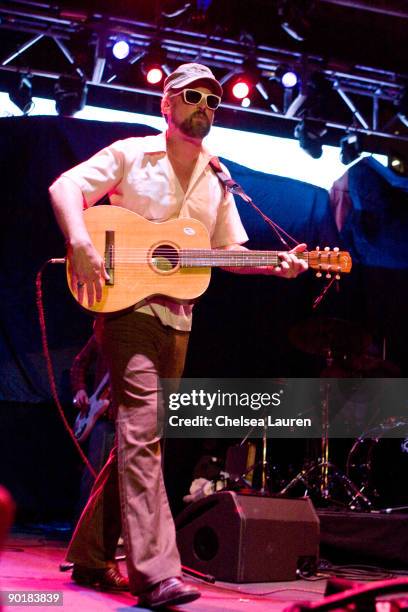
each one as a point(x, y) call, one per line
point(330, 261)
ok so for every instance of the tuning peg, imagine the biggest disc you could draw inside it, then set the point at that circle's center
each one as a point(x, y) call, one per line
point(327, 248)
point(336, 249)
point(337, 277)
point(318, 274)
point(328, 275)
point(317, 248)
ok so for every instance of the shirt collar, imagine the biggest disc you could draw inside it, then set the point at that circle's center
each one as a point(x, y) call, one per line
point(154, 144)
point(157, 144)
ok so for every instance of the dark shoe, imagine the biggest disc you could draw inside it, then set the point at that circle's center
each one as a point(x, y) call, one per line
point(169, 592)
point(106, 579)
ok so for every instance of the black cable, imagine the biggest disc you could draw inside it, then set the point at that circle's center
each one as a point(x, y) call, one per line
point(228, 589)
point(355, 571)
point(50, 369)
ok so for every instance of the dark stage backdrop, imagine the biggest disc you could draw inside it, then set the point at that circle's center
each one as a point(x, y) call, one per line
point(241, 324)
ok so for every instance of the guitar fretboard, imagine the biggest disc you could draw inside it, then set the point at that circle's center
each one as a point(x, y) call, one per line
point(208, 258)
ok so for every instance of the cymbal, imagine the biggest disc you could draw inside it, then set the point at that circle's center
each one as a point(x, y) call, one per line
point(374, 367)
point(321, 335)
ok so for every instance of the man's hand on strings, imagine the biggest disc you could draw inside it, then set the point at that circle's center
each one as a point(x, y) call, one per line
point(87, 272)
point(290, 265)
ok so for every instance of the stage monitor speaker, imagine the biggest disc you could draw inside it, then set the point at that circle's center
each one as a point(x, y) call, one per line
point(249, 538)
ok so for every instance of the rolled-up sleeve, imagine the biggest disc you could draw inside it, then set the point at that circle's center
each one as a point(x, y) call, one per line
point(100, 174)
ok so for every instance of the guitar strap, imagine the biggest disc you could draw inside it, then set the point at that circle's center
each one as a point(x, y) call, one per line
point(228, 183)
point(231, 186)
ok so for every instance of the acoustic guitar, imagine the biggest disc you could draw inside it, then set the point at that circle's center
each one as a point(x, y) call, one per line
point(172, 259)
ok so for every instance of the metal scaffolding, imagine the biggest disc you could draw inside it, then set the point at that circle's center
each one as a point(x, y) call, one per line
point(363, 98)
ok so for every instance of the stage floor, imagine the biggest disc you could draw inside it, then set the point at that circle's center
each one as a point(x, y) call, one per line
point(32, 563)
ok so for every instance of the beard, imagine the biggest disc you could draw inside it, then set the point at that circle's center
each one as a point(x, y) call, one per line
point(196, 126)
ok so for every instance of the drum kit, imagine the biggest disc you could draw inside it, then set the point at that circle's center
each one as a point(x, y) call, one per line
point(374, 476)
point(376, 464)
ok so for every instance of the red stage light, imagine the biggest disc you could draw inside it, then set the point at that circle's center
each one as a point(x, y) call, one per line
point(154, 75)
point(240, 89)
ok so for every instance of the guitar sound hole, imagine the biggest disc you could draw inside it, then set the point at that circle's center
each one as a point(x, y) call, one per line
point(165, 258)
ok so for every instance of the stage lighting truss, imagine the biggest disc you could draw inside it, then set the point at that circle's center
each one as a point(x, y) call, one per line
point(372, 100)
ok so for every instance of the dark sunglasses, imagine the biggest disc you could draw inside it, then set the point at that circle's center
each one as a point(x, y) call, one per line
point(193, 96)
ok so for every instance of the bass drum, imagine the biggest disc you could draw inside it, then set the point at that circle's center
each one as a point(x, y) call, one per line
point(378, 464)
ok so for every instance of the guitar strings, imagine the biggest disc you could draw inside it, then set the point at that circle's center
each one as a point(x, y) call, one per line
point(193, 257)
point(218, 252)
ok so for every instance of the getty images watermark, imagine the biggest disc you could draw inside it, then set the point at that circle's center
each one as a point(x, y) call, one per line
point(258, 403)
point(299, 408)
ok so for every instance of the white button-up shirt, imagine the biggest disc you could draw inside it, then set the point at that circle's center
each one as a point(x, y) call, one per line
point(137, 174)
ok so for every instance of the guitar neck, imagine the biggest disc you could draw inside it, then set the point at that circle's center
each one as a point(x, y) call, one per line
point(211, 258)
point(101, 387)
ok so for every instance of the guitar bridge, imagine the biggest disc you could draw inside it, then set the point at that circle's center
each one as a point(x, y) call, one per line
point(110, 256)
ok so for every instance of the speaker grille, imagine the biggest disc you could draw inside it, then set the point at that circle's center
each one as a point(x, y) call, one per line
point(205, 544)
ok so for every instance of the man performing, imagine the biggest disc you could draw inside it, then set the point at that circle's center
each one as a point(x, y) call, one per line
point(160, 177)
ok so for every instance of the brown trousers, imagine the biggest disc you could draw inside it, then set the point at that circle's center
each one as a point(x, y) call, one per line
point(129, 492)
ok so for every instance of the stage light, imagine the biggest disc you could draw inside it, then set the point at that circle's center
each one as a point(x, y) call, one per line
point(70, 95)
point(398, 164)
point(154, 75)
point(349, 148)
point(287, 77)
point(310, 135)
point(241, 88)
point(121, 49)
point(154, 63)
point(246, 79)
point(246, 102)
point(20, 93)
